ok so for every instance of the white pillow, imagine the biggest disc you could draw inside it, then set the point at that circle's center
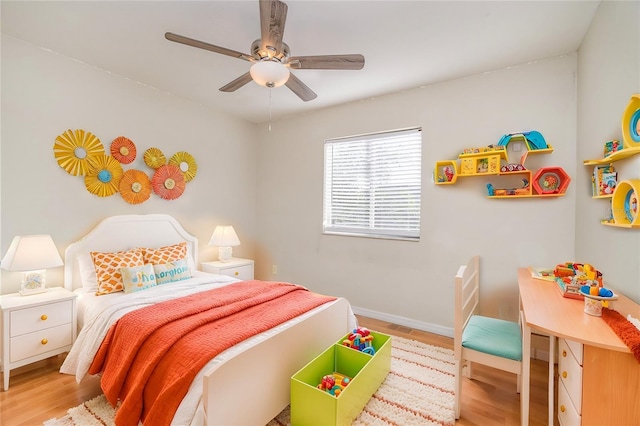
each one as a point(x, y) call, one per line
point(177, 270)
point(138, 278)
point(87, 272)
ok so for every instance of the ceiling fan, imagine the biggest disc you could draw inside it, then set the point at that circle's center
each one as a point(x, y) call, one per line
point(271, 56)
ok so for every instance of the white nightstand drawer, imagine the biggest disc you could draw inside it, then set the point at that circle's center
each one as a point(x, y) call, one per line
point(570, 374)
point(241, 272)
point(38, 342)
point(567, 414)
point(36, 318)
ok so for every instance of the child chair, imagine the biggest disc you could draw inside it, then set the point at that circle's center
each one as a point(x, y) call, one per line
point(497, 343)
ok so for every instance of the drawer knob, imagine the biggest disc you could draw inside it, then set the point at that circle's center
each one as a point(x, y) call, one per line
point(562, 408)
point(44, 341)
point(564, 354)
point(236, 273)
point(43, 317)
point(564, 374)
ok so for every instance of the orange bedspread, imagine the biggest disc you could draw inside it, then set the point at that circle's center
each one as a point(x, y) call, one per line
point(150, 356)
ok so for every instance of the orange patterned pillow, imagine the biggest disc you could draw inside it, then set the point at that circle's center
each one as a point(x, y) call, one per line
point(166, 254)
point(108, 266)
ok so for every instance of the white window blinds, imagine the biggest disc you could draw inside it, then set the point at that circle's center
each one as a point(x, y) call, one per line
point(372, 185)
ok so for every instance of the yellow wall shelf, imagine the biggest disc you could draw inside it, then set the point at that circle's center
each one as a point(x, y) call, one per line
point(626, 196)
point(493, 160)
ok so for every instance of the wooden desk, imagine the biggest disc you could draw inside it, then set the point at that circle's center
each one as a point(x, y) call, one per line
point(611, 374)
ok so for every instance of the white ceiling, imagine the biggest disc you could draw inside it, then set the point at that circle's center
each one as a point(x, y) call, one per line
point(406, 44)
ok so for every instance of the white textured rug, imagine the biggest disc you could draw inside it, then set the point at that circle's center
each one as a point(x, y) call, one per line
point(419, 390)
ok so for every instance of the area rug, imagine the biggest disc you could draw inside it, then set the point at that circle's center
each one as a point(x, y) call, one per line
point(419, 390)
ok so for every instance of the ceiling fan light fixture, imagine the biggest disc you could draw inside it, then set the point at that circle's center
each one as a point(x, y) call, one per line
point(269, 73)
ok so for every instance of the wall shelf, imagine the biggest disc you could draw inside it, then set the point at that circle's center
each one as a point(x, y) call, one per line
point(625, 199)
point(493, 160)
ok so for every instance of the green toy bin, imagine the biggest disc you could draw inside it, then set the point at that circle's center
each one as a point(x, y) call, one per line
point(312, 406)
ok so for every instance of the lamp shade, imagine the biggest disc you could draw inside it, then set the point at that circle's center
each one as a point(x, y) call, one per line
point(224, 236)
point(269, 73)
point(31, 252)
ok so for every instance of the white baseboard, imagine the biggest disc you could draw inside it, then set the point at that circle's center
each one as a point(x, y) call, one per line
point(407, 322)
point(536, 351)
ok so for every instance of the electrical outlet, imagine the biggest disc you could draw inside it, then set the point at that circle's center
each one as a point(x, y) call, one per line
point(274, 269)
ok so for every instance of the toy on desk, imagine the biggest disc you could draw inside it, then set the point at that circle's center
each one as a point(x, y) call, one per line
point(334, 383)
point(360, 340)
point(571, 277)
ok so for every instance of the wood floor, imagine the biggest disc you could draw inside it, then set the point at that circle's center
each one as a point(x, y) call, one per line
point(39, 392)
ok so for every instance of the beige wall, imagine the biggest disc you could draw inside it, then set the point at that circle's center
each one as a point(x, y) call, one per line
point(608, 74)
point(44, 94)
point(411, 282)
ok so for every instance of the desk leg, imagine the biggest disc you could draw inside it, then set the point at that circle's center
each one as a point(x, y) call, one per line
point(552, 356)
point(526, 371)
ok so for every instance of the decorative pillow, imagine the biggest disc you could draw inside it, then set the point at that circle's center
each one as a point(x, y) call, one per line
point(107, 266)
point(166, 254)
point(138, 278)
point(169, 272)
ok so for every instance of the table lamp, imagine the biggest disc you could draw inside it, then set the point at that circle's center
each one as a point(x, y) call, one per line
point(224, 236)
point(32, 254)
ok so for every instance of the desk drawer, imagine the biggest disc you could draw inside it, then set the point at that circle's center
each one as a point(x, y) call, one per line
point(32, 344)
point(36, 318)
point(570, 372)
point(567, 414)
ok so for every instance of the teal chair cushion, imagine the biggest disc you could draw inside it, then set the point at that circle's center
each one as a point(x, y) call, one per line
point(493, 336)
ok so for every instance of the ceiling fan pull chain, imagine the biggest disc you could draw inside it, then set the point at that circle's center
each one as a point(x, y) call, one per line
point(270, 90)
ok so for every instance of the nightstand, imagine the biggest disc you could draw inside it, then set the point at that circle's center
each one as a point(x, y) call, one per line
point(36, 327)
point(236, 267)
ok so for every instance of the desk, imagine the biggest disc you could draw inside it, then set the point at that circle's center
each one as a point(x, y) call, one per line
point(611, 374)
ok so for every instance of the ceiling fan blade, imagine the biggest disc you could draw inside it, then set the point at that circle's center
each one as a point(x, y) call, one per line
point(273, 14)
point(327, 62)
point(237, 83)
point(300, 89)
point(207, 46)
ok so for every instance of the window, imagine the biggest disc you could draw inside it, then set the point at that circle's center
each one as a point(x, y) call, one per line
point(372, 185)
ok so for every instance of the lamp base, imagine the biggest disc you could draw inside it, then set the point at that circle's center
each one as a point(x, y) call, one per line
point(224, 254)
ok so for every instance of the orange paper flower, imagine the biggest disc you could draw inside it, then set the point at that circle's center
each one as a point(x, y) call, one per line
point(186, 163)
point(74, 148)
point(123, 150)
point(168, 182)
point(103, 176)
point(154, 158)
point(135, 186)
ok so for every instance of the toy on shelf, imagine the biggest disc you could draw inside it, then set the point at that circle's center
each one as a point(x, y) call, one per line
point(533, 139)
point(571, 277)
point(611, 147)
point(604, 181)
point(334, 383)
point(361, 340)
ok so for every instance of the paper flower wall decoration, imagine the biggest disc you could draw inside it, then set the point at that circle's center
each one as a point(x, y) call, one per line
point(103, 176)
point(154, 158)
point(168, 182)
point(123, 150)
point(74, 148)
point(135, 186)
point(186, 163)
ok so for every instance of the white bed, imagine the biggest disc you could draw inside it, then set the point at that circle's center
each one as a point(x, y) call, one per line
point(247, 384)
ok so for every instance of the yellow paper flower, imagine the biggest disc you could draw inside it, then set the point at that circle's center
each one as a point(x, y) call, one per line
point(135, 186)
point(186, 163)
point(103, 176)
point(154, 158)
point(74, 148)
